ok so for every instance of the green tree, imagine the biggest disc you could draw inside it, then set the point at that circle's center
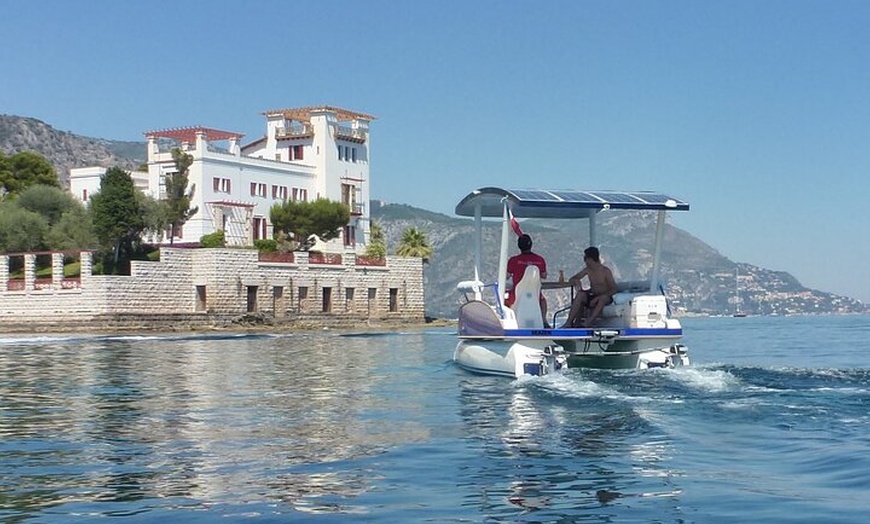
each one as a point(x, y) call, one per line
point(24, 169)
point(177, 194)
point(74, 230)
point(49, 201)
point(21, 230)
point(154, 213)
point(117, 216)
point(321, 217)
point(377, 246)
point(414, 244)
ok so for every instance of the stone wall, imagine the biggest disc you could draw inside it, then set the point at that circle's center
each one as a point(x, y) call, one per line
point(203, 287)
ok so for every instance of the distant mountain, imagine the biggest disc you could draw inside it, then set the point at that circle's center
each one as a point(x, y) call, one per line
point(699, 279)
point(66, 150)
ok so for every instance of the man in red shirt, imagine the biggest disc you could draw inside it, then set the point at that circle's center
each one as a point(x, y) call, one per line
point(516, 267)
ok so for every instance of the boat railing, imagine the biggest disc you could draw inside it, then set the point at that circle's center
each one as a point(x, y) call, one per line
point(477, 290)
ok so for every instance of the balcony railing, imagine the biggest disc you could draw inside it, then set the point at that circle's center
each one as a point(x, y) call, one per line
point(332, 259)
point(351, 134)
point(362, 260)
point(284, 258)
point(295, 131)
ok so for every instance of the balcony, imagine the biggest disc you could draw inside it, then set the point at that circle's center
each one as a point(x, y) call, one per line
point(351, 134)
point(294, 131)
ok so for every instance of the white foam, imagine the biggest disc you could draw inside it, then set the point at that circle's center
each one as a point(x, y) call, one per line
point(711, 380)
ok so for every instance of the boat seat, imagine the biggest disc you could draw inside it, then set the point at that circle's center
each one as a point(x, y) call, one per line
point(527, 305)
point(616, 308)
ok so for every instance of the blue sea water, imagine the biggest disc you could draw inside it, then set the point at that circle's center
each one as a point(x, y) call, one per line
point(770, 424)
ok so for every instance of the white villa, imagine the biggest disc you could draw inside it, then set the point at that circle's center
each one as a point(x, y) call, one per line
point(307, 153)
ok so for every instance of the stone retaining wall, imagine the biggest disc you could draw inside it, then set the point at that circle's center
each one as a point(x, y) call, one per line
point(210, 287)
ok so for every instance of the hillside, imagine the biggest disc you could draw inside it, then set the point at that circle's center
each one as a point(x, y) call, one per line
point(66, 150)
point(699, 279)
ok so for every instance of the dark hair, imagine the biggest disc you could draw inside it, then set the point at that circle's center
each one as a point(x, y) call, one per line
point(524, 242)
point(592, 252)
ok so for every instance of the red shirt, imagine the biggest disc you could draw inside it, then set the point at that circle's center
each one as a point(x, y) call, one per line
point(516, 268)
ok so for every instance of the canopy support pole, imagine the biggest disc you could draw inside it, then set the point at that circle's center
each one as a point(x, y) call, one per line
point(593, 229)
point(657, 254)
point(502, 258)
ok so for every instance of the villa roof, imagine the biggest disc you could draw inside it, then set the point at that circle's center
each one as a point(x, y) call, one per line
point(188, 134)
point(303, 114)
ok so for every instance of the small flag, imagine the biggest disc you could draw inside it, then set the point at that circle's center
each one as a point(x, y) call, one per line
point(514, 224)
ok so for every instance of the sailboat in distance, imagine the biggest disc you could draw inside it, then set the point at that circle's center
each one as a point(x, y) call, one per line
point(737, 299)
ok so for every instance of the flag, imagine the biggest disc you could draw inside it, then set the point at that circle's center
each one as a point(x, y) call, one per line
point(514, 224)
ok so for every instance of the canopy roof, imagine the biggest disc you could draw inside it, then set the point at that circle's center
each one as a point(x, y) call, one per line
point(188, 134)
point(562, 203)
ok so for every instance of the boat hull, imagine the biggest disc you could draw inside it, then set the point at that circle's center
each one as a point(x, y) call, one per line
point(510, 358)
point(666, 357)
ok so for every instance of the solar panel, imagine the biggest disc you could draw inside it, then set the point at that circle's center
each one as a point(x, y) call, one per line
point(533, 194)
point(563, 203)
point(574, 196)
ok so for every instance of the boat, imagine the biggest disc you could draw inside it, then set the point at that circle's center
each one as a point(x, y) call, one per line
point(636, 331)
point(737, 299)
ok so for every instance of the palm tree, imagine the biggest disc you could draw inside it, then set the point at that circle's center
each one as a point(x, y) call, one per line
point(377, 246)
point(414, 244)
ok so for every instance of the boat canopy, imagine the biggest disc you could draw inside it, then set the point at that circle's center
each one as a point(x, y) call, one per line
point(562, 203)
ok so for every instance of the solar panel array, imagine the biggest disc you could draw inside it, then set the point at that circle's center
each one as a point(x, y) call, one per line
point(563, 203)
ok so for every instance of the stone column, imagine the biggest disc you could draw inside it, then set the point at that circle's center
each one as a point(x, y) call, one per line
point(86, 265)
point(29, 271)
point(56, 270)
point(4, 272)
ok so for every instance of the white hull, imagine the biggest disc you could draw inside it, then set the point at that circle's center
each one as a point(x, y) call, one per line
point(510, 358)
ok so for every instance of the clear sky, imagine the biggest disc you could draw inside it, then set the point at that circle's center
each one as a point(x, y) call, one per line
point(756, 112)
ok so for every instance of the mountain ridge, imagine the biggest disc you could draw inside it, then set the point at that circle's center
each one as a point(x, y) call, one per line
point(700, 281)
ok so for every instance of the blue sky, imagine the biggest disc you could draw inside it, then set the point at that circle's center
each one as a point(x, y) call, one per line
point(756, 112)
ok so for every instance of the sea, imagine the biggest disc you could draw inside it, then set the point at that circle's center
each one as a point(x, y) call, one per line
point(770, 423)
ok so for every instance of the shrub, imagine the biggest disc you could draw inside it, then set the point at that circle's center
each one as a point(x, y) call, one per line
point(215, 239)
point(266, 245)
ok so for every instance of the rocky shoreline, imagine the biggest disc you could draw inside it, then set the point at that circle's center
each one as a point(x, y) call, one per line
point(243, 324)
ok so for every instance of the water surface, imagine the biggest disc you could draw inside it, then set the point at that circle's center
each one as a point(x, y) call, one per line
point(768, 425)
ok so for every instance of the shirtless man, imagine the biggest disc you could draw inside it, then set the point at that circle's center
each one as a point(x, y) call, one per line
point(602, 289)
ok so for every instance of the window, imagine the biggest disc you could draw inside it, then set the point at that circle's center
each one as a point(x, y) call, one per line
point(347, 194)
point(353, 155)
point(340, 150)
point(394, 299)
point(200, 298)
point(279, 192)
point(302, 297)
point(252, 299)
point(260, 228)
point(221, 185)
point(300, 194)
point(348, 298)
point(327, 300)
point(278, 157)
point(173, 231)
point(278, 301)
point(258, 189)
point(84, 195)
point(349, 235)
point(295, 152)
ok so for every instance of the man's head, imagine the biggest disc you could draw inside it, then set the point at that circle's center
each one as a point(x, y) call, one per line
point(524, 242)
point(592, 253)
